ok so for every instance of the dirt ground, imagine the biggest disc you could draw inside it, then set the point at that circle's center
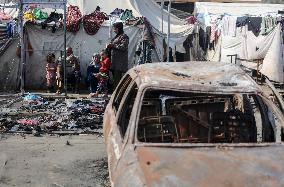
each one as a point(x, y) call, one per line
point(52, 161)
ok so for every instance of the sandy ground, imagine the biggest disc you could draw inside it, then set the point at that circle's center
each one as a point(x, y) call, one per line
point(49, 161)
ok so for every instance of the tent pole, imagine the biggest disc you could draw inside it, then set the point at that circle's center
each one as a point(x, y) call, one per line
point(65, 40)
point(162, 13)
point(22, 44)
point(169, 30)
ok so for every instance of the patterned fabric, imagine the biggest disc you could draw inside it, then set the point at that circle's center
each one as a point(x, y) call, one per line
point(102, 86)
point(51, 69)
point(74, 17)
point(119, 53)
point(92, 22)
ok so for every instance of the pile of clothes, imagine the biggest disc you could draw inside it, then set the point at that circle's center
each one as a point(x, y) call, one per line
point(74, 17)
point(92, 22)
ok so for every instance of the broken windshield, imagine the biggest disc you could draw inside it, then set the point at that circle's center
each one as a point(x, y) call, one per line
point(184, 117)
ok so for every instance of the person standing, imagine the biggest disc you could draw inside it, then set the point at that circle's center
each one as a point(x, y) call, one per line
point(73, 70)
point(118, 48)
point(50, 68)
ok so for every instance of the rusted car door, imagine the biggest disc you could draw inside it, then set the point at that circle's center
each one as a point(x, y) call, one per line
point(115, 136)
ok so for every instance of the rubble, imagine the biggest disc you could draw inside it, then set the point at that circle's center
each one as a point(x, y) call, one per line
point(36, 115)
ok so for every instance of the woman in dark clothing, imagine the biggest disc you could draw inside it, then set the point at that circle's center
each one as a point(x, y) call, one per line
point(119, 52)
point(93, 69)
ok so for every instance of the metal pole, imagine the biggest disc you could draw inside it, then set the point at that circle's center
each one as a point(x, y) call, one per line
point(162, 13)
point(22, 44)
point(169, 30)
point(65, 56)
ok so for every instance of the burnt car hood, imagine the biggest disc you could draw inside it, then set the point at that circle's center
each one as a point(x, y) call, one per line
point(227, 166)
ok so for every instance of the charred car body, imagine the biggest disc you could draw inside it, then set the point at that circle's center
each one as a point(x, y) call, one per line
point(192, 124)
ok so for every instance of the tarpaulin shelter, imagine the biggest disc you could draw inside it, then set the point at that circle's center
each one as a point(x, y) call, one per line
point(262, 50)
point(85, 45)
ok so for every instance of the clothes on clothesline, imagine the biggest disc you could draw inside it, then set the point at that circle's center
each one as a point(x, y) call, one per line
point(191, 20)
point(254, 24)
point(5, 17)
point(39, 14)
point(117, 12)
point(74, 18)
point(242, 21)
point(92, 22)
point(127, 14)
point(268, 24)
point(229, 25)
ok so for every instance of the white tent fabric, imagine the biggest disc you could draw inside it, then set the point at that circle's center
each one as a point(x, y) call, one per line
point(245, 44)
point(275, 57)
point(249, 47)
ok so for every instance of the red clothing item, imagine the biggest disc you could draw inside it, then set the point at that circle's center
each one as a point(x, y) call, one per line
point(105, 65)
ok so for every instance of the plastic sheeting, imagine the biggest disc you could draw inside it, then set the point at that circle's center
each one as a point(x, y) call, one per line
point(83, 46)
point(236, 8)
point(275, 57)
point(249, 47)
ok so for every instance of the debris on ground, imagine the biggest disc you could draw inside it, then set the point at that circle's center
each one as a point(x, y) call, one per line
point(33, 114)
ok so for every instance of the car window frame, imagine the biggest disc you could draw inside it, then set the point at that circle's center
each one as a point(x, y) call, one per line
point(115, 94)
point(120, 109)
point(269, 103)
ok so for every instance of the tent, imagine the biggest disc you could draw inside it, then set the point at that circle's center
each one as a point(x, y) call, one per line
point(85, 45)
point(247, 47)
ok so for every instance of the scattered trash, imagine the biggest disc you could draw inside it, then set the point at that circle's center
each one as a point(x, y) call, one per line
point(32, 97)
point(35, 115)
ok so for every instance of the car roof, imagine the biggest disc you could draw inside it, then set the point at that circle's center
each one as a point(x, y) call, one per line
point(195, 76)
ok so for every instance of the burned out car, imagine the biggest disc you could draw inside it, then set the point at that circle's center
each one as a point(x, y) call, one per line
point(192, 124)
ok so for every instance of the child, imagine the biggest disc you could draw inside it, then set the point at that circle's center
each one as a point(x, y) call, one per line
point(59, 76)
point(103, 75)
point(92, 70)
point(50, 68)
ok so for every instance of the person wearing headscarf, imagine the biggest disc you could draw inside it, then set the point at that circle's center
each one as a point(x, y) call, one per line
point(92, 70)
point(73, 70)
point(118, 48)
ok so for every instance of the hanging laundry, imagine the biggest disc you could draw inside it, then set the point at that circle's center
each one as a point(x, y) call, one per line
point(29, 16)
point(215, 31)
point(242, 21)
point(92, 22)
point(268, 24)
point(39, 14)
point(4, 16)
point(229, 25)
point(254, 24)
point(127, 14)
point(74, 17)
point(191, 20)
point(53, 17)
point(204, 38)
point(117, 12)
point(135, 21)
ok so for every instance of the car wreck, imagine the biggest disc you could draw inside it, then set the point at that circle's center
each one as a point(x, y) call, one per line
point(193, 124)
